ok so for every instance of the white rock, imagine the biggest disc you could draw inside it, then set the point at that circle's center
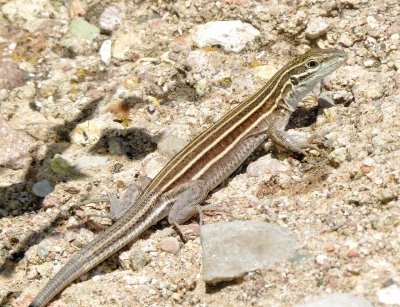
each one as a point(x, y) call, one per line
point(86, 162)
point(339, 155)
point(265, 71)
point(389, 295)
point(316, 27)
point(152, 164)
point(372, 22)
point(266, 164)
point(105, 52)
point(232, 35)
point(149, 246)
point(124, 44)
point(369, 63)
point(368, 161)
point(320, 259)
point(87, 132)
point(337, 300)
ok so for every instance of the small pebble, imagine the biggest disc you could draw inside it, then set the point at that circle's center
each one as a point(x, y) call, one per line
point(352, 253)
point(366, 169)
point(170, 245)
point(32, 274)
point(329, 248)
point(60, 166)
point(42, 251)
point(320, 259)
point(105, 52)
point(345, 40)
point(139, 259)
point(50, 201)
point(316, 28)
point(386, 196)
point(42, 188)
point(111, 18)
point(369, 63)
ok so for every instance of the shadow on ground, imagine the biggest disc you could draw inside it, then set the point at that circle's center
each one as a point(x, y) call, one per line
point(18, 199)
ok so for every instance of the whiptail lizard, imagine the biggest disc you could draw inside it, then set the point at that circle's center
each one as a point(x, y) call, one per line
point(205, 162)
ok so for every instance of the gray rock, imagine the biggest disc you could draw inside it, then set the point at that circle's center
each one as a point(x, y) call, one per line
point(232, 35)
point(134, 259)
point(139, 259)
point(232, 249)
point(337, 300)
point(325, 102)
point(266, 164)
point(80, 28)
point(42, 188)
point(42, 251)
point(316, 27)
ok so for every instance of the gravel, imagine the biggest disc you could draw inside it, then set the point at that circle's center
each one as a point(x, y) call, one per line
point(64, 95)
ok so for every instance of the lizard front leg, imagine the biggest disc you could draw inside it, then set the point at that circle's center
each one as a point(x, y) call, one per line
point(276, 131)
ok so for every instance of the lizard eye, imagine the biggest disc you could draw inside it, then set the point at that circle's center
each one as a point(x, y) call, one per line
point(294, 80)
point(312, 64)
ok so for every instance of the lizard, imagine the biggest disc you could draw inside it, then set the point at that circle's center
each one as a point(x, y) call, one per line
point(180, 187)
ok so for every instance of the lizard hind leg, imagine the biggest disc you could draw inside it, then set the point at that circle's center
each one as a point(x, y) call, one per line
point(187, 197)
point(119, 206)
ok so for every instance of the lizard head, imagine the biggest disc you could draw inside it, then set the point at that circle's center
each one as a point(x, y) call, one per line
point(305, 71)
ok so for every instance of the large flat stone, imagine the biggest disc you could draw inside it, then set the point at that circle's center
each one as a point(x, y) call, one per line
point(232, 249)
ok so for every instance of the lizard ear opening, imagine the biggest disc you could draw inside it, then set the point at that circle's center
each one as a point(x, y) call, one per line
point(294, 80)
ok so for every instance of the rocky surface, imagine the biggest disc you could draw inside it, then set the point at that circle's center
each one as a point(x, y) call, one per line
point(89, 89)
